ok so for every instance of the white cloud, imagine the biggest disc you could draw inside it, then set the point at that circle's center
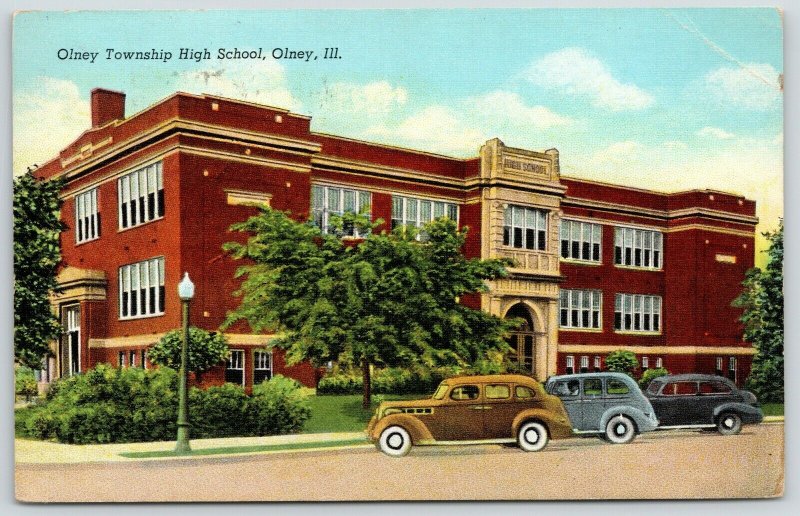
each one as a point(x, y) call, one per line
point(262, 82)
point(755, 86)
point(46, 119)
point(715, 132)
point(577, 72)
point(434, 128)
point(508, 108)
point(374, 98)
point(675, 145)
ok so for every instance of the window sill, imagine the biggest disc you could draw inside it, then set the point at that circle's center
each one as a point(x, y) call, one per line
point(122, 230)
point(574, 261)
point(581, 330)
point(77, 244)
point(638, 268)
point(137, 317)
point(637, 332)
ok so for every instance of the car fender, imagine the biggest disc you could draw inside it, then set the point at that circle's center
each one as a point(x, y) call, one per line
point(748, 413)
point(643, 423)
point(415, 427)
point(557, 429)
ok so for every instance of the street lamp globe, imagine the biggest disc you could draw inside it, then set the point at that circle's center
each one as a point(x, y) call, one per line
point(186, 288)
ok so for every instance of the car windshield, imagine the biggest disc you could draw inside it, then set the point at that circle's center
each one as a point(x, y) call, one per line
point(439, 394)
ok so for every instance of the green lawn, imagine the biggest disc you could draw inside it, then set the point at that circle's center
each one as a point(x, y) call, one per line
point(343, 413)
point(772, 409)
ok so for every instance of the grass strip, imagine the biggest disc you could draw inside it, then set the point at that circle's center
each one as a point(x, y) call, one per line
point(243, 449)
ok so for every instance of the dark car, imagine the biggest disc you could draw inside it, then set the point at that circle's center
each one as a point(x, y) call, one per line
point(472, 410)
point(702, 401)
point(605, 404)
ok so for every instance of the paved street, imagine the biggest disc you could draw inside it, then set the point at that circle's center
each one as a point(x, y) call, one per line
point(658, 465)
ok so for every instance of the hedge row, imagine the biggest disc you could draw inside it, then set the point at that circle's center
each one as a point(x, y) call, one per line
point(112, 405)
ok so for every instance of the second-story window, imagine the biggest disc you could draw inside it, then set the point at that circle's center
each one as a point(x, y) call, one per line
point(411, 211)
point(580, 240)
point(141, 196)
point(330, 200)
point(87, 216)
point(635, 312)
point(525, 228)
point(580, 308)
point(637, 247)
point(141, 289)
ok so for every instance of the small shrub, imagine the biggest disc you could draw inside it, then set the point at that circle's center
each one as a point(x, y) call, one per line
point(342, 383)
point(278, 406)
point(650, 374)
point(25, 383)
point(218, 412)
point(622, 361)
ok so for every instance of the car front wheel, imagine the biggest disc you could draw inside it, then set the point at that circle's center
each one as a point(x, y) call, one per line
point(395, 441)
point(532, 436)
point(620, 430)
point(729, 424)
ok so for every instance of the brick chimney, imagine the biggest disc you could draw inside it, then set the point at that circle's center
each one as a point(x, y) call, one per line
point(107, 105)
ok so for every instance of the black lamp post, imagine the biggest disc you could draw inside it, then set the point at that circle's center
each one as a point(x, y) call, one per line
point(186, 293)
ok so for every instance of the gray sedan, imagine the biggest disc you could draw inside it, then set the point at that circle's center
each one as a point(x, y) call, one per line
point(605, 404)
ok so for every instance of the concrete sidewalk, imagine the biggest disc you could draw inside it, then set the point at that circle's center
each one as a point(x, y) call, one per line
point(28, 451)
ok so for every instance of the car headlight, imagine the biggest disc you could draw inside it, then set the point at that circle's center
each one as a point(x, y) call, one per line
point(390, 411)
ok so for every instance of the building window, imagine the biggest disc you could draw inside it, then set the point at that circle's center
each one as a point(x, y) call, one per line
point(584, 364)
point(141, 196)
point(411, 211)
point(597, 364)
point(637, 248)
point(570, 365)
point(262, 366)
point(719, 366)
point(645, 363)
point(132, 359)
point(732, 368)
point(141, 289)
point(635, 312)
point(329, 200)
point(121, 359)
point(234, 367)
point(580, 240)
point(87, 216)
point(525, 228)
point(580, 309)
point(143, 361)
point(659, 363)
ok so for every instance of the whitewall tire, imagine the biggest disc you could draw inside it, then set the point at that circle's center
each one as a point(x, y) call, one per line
point(532, 436)
point(395, 441)
point(620, 430)
point(729, 424)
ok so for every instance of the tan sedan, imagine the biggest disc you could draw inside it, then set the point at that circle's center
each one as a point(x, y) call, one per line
point(472, 410)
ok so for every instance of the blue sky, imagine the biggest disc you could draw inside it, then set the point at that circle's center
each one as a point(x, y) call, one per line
point(662, 99)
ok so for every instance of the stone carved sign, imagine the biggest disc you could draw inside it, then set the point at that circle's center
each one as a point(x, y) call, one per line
point(522, 164)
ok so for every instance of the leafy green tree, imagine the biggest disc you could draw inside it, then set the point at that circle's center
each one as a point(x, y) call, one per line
point(650, 374)
point(206, 349)
point(37, 255)
point(762, 301)
point(391, 299)
point(622, 361)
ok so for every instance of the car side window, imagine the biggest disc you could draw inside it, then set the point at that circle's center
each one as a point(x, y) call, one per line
point(497, 392)
point(714, 388)
point(567, 388)
point(653, 387)
point(592, 387)
point(523, 393)
point(680, 389)
point(464, 392)
point(615, 386)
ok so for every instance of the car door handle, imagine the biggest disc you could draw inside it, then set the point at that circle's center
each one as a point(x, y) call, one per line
point(481, 407)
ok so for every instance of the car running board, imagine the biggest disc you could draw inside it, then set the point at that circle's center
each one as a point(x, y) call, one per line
point(672, 427)
point(432, 442)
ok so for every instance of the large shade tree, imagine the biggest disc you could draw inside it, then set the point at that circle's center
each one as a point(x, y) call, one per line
point(388, 299)
point(37, 255)
point(762, 301)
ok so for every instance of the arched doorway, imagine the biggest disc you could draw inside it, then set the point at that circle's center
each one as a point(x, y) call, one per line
point(523, 339)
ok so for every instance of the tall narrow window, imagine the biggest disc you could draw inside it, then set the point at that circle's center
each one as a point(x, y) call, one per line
point(234, 367)
point(327, 201)
point(525, 228)
point(719, 366)
point(659, 363)
point(645, 363)
point(141, 196)
point(636, 312)
point(262, 366)
point(87, 216)
point(596, 364)
point(637, 248)
point(584, 364)
point(141, 289)
point(570, 364)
